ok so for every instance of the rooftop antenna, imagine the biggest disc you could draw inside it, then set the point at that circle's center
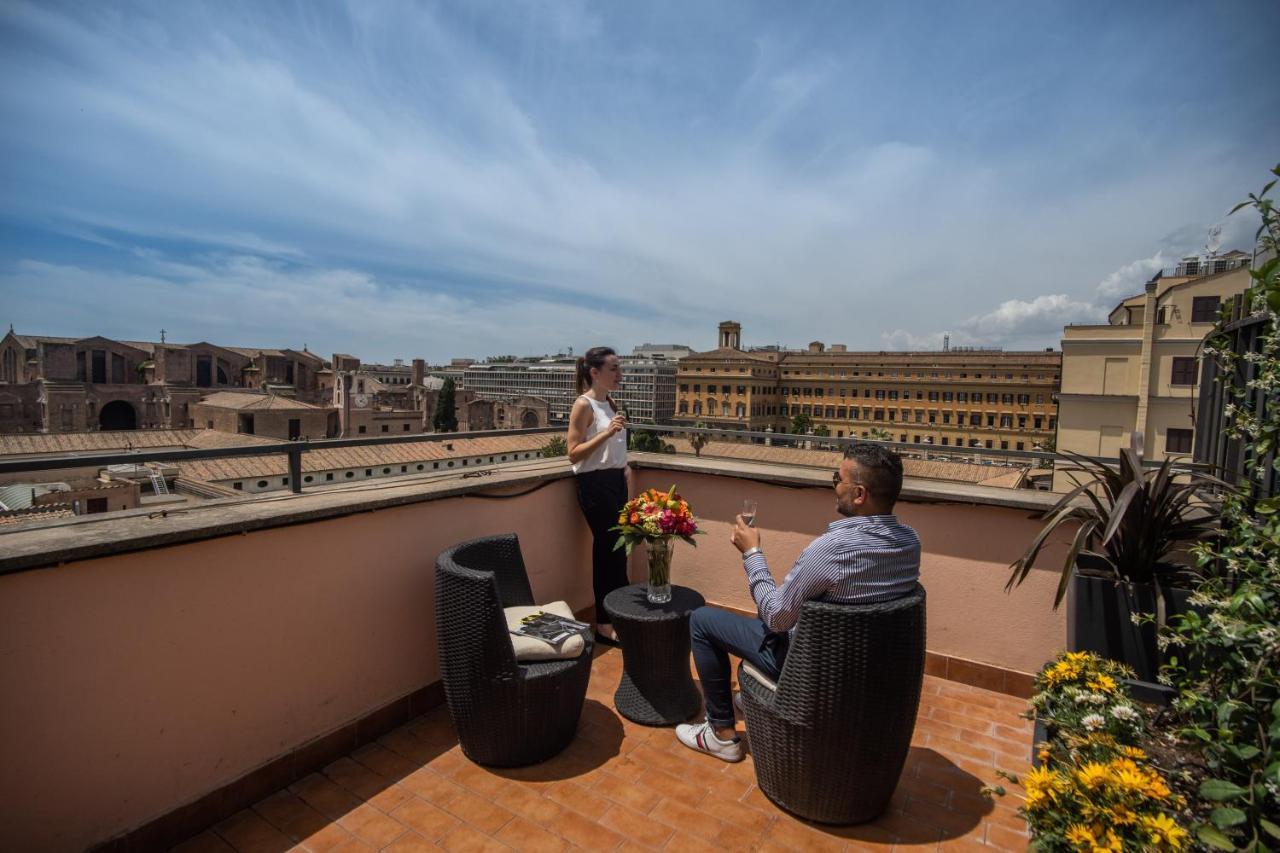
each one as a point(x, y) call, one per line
point(162, 336)
point(1214, 241)
point(946, 342)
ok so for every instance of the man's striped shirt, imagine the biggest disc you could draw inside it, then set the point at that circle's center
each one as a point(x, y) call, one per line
point(862, 559)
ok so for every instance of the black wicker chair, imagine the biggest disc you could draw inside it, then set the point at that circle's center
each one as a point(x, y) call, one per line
point(507, 713)
point(830, 738)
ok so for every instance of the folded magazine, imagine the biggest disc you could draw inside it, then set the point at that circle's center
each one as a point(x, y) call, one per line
point(549, 627)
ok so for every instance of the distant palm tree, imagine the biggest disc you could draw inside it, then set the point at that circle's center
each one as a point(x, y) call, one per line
point(879, 434)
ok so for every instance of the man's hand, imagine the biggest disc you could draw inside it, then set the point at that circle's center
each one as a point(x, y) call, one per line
point(744, 538)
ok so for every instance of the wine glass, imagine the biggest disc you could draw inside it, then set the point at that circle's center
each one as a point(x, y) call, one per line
point(749, 512)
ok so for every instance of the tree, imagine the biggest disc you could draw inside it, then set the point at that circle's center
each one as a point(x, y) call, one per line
point(557, 446)
point(801, 424)
point(822, 430)
point(446, 417)
point(879, 434)
point(648, 442)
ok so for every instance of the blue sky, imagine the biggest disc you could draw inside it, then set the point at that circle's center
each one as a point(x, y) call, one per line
point(404, 179)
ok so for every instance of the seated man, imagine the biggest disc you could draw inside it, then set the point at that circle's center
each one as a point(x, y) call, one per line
point(866, 557)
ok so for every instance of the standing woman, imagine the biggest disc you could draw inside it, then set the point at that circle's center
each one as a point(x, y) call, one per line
point(598, 450)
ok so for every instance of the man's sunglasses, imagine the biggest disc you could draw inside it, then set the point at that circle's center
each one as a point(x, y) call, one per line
point(835, 480)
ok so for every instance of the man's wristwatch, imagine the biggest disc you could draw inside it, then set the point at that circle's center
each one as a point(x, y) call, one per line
point(750, 551)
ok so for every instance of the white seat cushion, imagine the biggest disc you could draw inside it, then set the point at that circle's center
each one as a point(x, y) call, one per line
point(527, 648)
point(759, 676)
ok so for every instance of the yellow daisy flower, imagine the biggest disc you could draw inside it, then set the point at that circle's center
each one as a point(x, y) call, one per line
point(1080, 837)
point(1102, 683)
point(1093, 774)
point(1163, 830)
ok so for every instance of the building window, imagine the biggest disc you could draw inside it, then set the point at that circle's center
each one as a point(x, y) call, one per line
point(262, 484)
point(239, 487)
point(386, 427)
point(1204, 309)
point(328, 477)
point(361, 430)
point(1177, 441)
point(1184, 370)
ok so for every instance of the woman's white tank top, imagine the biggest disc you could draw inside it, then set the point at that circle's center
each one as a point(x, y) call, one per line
point(611, 454)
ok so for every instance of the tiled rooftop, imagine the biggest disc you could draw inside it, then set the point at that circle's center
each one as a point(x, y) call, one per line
point(620, 786)
point(984, 475)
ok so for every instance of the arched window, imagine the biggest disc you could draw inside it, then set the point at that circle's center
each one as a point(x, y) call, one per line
point(697, 408)
point(724, 408)
point(741, 410)
point(684, 407)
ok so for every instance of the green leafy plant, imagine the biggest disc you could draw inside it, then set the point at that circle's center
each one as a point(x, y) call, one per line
point(1230, 708)
point(647, 442)
point(1129, 517)
point(1095, 788)
point(556, 446)
point(879, 434)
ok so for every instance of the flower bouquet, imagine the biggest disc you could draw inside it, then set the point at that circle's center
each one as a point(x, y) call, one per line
point(655, 517)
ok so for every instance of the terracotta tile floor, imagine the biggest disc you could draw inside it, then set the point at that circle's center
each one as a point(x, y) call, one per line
point(620, 786)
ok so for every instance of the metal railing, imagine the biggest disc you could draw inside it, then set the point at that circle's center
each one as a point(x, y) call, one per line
point(294, 450)
point(1215, 448)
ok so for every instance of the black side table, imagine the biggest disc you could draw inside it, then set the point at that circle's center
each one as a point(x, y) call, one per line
point(657, 688)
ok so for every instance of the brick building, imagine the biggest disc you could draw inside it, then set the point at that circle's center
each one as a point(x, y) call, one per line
point(265, 415)
point(60, 385)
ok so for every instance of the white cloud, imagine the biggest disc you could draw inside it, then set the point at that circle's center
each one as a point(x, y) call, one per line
point(408, 170)
point(1131, 277)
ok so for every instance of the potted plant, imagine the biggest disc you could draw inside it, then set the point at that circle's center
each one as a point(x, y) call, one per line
point(1119, 569)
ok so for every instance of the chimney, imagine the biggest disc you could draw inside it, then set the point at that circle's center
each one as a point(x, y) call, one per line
point(816, 346)
point(839, 348)
point(419, 371)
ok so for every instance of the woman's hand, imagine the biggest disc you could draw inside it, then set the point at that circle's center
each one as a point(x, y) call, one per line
point(617, 424)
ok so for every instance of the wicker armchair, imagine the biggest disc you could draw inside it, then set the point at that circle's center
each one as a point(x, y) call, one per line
point(830, 738)
point(507, 713)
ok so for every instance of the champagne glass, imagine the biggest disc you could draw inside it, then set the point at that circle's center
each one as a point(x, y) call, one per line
point(749, 512)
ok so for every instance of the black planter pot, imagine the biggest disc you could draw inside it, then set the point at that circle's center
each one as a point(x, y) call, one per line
point(1099, 619)
point(1039, 736)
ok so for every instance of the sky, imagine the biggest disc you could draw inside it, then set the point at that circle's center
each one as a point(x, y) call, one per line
point(474, 178)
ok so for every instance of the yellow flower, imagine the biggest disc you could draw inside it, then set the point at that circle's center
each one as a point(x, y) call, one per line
point(1093, 774)
point(1128, 776)
point(622, 519)
point(1042, 787)
point(1061, 671)
point(1163, 830)
point(1122, 815)
point(1076, 657)
point(1132, 752)
point(1156, 788)
point(1102, 683)
point(1080, 837)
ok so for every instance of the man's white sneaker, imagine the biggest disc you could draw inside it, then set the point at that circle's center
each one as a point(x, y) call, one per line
point(702, 737)
point(737, 702)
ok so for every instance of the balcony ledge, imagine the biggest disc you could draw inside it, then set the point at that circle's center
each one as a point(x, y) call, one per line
point(44, 545)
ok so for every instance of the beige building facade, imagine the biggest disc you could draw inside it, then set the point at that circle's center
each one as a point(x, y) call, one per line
point(1141, 371)
point(957, 398)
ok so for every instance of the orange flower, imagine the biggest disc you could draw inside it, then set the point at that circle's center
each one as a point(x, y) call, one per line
point(635, 518)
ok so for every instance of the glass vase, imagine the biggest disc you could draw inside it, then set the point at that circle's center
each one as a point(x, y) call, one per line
point(659, 570)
